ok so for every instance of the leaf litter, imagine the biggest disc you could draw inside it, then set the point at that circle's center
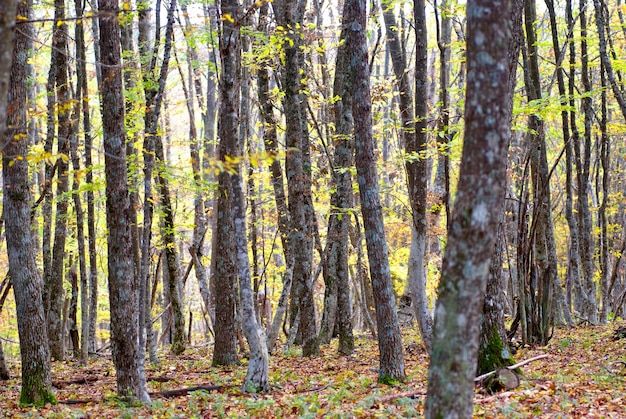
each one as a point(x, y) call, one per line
point(582, 378)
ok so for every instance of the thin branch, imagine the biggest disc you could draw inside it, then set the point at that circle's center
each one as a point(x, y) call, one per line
point(512, 367)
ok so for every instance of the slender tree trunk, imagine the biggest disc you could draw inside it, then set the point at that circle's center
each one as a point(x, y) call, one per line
point(27, 283)
point(472, 233)
point(337, 308)
point(173, 279)
point(200, 218)
point(270, 141)
point(55, 275)
point(417, 174)
point(605, 147)
point(131, 380)
point(81, 98)
point(583, 163)
point(541, 230)
point(389, 338)
point(441, 185)
point(572, 221)
point(91, 205)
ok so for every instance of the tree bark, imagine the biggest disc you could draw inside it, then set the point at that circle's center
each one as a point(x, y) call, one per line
point(417, 174)
point(79, 109)
point(230, 84)
point(472, 233)
point(131, 381)
point(289, 14)
point(55, 274)
point(337, 307)
point(270, 141)
point(389, 338)
point(27, 283)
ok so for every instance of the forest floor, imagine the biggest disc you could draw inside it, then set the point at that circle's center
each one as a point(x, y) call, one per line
point(579, 379)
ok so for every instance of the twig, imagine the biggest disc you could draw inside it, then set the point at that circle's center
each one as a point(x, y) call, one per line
point(185, 391)
point(406, 394)
point(81, 380)
point(512, 367)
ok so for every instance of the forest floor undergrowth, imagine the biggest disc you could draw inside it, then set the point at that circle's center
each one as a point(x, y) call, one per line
point(583, 377)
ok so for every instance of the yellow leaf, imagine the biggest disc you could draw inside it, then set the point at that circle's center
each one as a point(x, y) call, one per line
point(227, 17)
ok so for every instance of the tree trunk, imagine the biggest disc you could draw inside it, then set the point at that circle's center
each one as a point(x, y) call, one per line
point(230, 85)
point(73, 312)
point(417, 174)
point(81, 107)
point(583, 163)
point(270, 141)
point(337, 307)
point(55, 273)
point(605, 153)
point(27, 283)
point(4, 371)
point(540, 274)
point(441, 185)
point(225, 273)
point(493, 349)
point(200, 218)
point(289, 14)
point(389, 338)
point(472, 233)
point(174, 281)
point(573, 268)
point(131, 381)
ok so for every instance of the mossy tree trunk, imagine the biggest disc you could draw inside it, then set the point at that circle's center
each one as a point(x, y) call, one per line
point(493, 349)
point(472, 232)
point(27, 282)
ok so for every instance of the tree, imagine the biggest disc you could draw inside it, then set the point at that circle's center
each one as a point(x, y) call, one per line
point(232, 190)
point(27, 282)
point(290, 15)
point(225, 259)
point(472, 233)
point(270, 142)
point(337, 309)
point(416, 168)
point(123, 293)
point(493, 350)
point(58, 104)
point(537, 265)
point(389, 338)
